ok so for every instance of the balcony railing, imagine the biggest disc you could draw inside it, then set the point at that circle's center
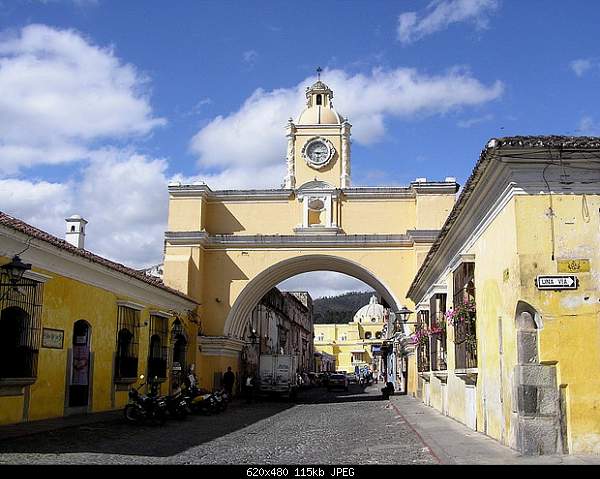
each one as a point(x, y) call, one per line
point(423, 361)
point(465, 343)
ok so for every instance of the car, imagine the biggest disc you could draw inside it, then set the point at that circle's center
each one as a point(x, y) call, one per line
point(352, 379)
point(338, 381)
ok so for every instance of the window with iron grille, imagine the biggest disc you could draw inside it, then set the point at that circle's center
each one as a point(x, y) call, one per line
point(465, 335)
point(159, 347)
point(437, 311)
point(421, 329)
point(20, 327)
point(126, 359)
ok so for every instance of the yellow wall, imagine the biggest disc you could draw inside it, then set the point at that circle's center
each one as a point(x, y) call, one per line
point(229, 272)
point(392, 216)
point(514, 249)
point(355, 334)
point(187, 214)
point(66, 301)
point(250, 217)
point(432, 210)
point(571, 319)
point(353, 216)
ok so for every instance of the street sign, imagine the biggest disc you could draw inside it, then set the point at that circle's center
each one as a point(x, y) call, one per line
point(556, 282)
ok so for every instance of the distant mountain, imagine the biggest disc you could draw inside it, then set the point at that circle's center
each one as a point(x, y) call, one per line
point(339, 309)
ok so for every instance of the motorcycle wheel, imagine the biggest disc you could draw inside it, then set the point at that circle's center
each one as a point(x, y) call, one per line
point(131, 414)
point(160, 417)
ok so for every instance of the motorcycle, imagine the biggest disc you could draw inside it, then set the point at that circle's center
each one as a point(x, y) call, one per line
point(177, 405)
point(143, 407)
point(222, 399)
point(200, 402)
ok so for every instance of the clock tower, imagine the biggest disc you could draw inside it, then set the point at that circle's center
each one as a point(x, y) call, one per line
point(318, 142)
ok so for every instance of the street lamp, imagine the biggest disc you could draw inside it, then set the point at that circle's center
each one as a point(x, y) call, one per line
point(254, 339)
point(15, 270)
point(403, 315)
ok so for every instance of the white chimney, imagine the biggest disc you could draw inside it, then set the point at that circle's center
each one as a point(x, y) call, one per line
point(75, 234)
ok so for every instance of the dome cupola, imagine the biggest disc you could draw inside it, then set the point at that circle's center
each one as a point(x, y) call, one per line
point(371, 313)
point(319, 107)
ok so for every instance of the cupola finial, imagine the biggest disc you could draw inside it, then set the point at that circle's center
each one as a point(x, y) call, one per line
point(319, 70)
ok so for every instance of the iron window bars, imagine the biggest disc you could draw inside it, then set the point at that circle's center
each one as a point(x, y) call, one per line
point(158, 347)
point(465, 334)
point(20, 327)
point(126, 359)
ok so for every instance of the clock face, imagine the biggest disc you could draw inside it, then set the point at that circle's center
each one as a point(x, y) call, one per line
point(318, 153)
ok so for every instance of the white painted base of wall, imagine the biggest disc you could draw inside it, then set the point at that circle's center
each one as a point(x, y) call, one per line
point(444, 399)
point(471, 406)
point(427, 393)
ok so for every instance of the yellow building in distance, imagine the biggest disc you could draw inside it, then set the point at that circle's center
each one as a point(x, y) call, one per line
point(357, 343)
point(227, 249)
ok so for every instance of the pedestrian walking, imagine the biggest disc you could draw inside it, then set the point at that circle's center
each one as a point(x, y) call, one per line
point(229, 381)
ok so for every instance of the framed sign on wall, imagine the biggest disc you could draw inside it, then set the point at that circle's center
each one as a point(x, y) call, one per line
point(53, 338)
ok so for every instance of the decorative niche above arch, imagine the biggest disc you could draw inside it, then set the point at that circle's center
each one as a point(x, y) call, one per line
point(319, 200)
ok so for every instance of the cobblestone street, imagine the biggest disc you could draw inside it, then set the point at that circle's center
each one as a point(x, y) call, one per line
point(354, 427)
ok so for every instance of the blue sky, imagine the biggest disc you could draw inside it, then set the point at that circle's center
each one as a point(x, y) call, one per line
point(103, 102)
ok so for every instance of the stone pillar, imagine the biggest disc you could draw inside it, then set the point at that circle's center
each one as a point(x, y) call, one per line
point(538, 410)
point(290, 179)
point(345, 155)
point(304, 212)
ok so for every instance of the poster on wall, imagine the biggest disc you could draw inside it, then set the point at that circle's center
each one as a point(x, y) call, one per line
point(81, 357)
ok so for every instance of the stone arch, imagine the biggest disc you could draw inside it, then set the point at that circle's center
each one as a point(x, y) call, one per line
point(236, 321)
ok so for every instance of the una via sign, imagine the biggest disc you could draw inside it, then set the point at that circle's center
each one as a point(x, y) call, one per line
point(556, 282)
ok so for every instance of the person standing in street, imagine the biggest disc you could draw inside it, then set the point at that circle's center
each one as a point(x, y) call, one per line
point(250, 386)
point(228, 381)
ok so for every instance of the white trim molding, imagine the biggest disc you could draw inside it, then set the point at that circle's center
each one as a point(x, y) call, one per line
point(220, 346)
point(131, 304)
point(38, 277)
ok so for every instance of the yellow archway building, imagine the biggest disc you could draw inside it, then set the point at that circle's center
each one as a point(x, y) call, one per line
point(227, 248)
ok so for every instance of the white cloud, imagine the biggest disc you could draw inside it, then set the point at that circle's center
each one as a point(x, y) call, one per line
point(40, 203)
point(475, 121)
point(442, 13)
point(588, 126)
point(323, 283)
point(581, 66)
point(122, 195)
point(61, 94)
point(247, 147)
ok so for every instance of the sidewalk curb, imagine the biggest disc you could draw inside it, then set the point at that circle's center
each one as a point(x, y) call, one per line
point(434, 448)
